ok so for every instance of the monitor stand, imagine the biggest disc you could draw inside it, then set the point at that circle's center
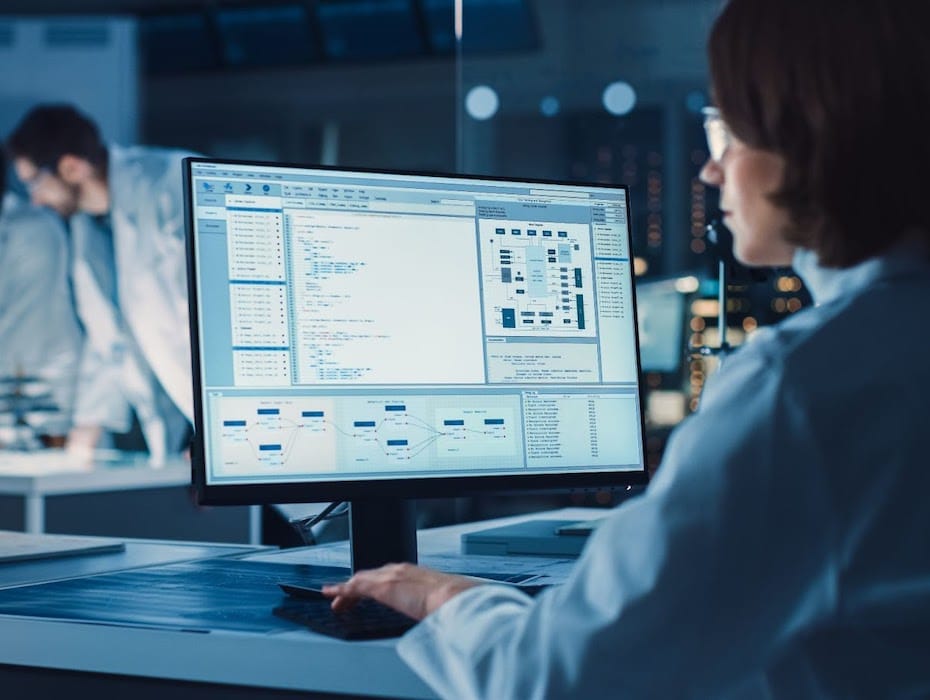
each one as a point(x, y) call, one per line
point(382, 531)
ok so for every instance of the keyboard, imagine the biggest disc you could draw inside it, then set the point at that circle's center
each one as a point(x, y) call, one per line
point(367, 620)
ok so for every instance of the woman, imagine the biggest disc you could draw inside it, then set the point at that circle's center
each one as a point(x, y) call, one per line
point(783, 548)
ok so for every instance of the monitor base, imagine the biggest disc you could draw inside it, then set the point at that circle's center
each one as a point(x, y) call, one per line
point(382, 531)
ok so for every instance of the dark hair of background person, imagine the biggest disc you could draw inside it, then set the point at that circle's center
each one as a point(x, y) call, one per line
point(841, 90)
point(48, 132)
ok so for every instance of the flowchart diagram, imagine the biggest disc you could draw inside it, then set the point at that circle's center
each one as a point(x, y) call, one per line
point(364, 434)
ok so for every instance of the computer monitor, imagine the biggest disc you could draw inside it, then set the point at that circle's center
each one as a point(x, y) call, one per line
point(661, 306)
point(375, 337)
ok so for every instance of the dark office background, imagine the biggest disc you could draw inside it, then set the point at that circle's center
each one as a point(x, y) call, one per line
point(588, 90)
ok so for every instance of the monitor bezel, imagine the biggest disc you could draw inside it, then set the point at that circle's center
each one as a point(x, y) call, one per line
point(407, 487)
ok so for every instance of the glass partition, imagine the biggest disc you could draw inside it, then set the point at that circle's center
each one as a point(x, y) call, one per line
point(590, 91)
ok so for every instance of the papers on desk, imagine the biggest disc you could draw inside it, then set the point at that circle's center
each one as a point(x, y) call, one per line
point(515, 569)
point(512, 569)
point(20, 546)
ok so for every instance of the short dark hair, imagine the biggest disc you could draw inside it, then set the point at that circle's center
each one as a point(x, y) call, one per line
point(51, 131)
point(841, 90)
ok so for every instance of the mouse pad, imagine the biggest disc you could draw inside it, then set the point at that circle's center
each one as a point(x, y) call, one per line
point(198, 596)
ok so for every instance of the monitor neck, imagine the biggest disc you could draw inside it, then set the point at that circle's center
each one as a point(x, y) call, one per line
point(382, 531)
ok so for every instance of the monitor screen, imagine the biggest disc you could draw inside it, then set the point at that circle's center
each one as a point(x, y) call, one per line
point(362, 334)
point(661, 308)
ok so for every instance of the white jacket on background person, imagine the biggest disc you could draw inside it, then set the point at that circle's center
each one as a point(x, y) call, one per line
point(39, 333)
point(130, 288)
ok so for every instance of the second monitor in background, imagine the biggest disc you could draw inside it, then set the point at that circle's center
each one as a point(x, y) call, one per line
point(662, 315)
point(661, 306)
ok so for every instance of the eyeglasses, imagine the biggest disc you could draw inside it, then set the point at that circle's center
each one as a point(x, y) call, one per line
point(717, 132)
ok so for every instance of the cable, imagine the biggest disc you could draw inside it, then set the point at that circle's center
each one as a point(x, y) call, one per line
point(304, 526)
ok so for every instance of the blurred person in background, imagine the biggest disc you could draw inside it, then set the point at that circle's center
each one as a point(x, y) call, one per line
point(124, 207)
point(40, 339)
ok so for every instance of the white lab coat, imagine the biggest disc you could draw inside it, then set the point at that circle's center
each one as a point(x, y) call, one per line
point(783, 549)
point(39, 332)
point(130, 286)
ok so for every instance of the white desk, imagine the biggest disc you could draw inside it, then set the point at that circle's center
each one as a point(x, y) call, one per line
point(37, 475)
point(154, 661)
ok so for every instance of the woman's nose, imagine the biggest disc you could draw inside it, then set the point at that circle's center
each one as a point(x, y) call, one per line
point(711, 174)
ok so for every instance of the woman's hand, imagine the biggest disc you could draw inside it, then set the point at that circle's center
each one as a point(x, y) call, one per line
point(412, 590)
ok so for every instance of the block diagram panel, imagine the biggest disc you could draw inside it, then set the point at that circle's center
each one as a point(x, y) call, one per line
point(537, 279)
